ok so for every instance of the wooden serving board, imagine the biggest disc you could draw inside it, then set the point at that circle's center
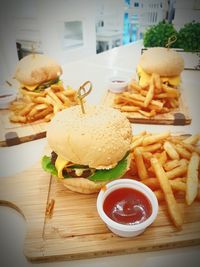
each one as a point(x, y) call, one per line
point(75, 231)
point(179, 116)
point(17, 133)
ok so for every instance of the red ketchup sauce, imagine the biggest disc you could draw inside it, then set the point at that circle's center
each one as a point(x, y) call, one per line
point(127, 206)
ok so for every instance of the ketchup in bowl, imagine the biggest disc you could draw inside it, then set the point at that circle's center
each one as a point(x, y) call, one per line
point(127, 206)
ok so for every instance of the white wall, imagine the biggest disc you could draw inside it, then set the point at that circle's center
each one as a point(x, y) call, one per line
point(43, 21)
point(51, 20)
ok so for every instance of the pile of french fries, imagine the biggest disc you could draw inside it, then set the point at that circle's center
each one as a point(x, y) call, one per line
point(41, 106)
point(169, 165)
point(154, 98)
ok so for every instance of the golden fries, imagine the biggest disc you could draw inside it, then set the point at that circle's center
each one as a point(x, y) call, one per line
point(168, 193)
point(148, 140)
point(35, 106)
point(169, 165)
point(142, 171)
point(171, 151)
point(150, 100)
point(192, 178)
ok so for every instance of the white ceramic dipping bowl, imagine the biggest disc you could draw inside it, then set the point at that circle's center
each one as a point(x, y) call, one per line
point(7, 95)
point(127, 230)
point(118, 84)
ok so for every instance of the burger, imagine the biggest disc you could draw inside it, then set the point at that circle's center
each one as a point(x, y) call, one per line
point(163, 61)
point(36, 72)
point(90, 149)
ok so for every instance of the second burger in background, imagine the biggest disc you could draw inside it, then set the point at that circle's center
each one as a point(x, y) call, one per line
point(89, 149)
point(36, 72)
point(167, 63)
point(41, 92)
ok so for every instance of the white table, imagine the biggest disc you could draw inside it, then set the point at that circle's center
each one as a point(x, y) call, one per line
point(98, 69)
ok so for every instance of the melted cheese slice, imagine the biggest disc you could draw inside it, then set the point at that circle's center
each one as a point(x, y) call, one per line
point(29, 87)
point(145, 78)
point(60, 164)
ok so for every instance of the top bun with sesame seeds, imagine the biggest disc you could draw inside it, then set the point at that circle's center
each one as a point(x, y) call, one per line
point(37, 72)
point(95, 143)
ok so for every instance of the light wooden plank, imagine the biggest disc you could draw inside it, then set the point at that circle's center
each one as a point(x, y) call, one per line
point(75, 230)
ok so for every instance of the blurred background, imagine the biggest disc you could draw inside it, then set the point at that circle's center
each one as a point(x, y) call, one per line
point(70, 30)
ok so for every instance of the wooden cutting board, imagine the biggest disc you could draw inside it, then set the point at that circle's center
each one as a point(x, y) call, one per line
point(75, 230)
point(17, 133)
point(179, 116)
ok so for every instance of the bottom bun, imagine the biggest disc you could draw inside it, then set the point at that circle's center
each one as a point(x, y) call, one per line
point(83, 185)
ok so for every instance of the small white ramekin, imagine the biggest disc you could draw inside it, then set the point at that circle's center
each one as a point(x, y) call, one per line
point(7, 95)
point(118, 84)
point(125, 230)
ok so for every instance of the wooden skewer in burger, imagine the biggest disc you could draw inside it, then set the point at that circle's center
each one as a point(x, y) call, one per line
point(90, 145)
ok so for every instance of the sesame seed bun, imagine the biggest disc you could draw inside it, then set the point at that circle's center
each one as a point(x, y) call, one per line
point(36, 69)
point(164, 61)
point(100, 138)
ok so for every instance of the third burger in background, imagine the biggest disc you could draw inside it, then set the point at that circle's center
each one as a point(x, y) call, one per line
point(167, 63)
point(89, 149)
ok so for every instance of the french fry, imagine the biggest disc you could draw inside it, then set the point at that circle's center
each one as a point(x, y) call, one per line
point(147, 156)
point(162, 157)
point(40, 100)
point(177, 172)
point(134, 85)
point(18, 118)
point(157, 82)
point(183, 152)
point(135, 137)
point(169, 148)
point(55, 98)
point(150, 93)
point(69, 92)
point(43, 113)
point(142, 171)
point(151, 148)
point(137, 143)
point(155, 97)
point(168, 193)
point(192, 178)
point(134, 96)
point(148, 140)
point(26, 109)
point(182, 174)
point(32, 106)
point(178, 185)
point(146, 113)
point(170, 90)
point(168, 166)
point(129, 108)
point(192, 140)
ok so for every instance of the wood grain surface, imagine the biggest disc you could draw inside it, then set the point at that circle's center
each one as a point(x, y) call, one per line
point(75, 231)
point(17, 133)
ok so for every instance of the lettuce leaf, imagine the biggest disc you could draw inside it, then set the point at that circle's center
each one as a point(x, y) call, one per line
point(106, 175)
point(48, 166)
point(99, 175)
